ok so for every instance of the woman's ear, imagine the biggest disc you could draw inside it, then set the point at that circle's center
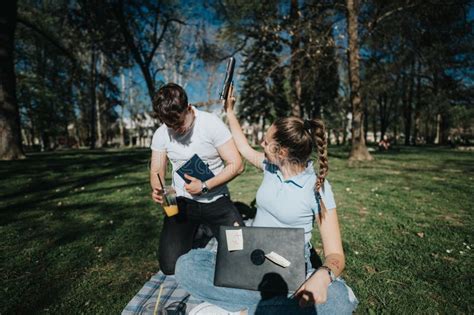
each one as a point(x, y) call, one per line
point(282, 153)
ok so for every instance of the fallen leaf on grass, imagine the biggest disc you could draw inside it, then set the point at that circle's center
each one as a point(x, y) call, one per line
point(447, 258)
point(370, 269)
point(420, 234)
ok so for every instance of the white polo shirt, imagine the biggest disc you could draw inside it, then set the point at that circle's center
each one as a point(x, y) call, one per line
point(206, 135)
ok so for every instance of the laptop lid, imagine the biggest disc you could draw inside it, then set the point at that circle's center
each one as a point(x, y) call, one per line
point(250, 269)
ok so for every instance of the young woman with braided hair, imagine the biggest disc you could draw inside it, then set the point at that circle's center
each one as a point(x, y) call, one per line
point(291, 195)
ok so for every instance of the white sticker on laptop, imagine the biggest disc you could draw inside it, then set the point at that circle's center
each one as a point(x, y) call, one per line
point(235, 241)
point(279, 260)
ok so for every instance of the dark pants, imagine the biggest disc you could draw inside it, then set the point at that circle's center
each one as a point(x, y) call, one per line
point(178, 231)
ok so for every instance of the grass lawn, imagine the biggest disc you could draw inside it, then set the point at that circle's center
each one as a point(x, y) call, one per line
point(79, 233)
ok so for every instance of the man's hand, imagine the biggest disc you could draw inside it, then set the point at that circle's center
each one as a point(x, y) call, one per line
point(157, 195)
point(194, 187)
point(314, 290)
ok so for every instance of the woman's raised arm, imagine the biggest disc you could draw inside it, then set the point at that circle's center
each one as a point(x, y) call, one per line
point(253, 156)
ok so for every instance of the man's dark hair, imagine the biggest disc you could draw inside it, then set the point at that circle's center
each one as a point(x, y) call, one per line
point(170, 102)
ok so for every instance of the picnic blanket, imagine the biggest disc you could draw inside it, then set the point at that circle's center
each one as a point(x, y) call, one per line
point(174, 299)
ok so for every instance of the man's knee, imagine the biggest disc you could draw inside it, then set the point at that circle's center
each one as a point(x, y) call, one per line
point(167, 267)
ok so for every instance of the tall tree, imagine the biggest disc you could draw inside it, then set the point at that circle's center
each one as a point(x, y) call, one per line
point(359, 150)
point(296, 54)
point(143, 26)
point(10, 133)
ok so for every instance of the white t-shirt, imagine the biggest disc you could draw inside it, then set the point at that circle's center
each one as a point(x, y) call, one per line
point(203, 139)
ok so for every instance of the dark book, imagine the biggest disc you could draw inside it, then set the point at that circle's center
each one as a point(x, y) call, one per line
point(195, 167)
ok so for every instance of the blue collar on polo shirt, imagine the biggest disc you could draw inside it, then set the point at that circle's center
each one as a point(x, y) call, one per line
point(299, 179)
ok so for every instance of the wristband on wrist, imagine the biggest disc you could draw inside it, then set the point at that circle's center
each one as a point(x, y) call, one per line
point(332, 276)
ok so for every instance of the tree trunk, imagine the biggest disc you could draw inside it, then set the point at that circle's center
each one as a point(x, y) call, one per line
point(395, 130)
point(382, 105)
point(93, 120)
point(345, 123)
point(100, 141)
point(329, 135)
point(135, 51)
point(444, 127)
point(438, 129)
point(10, 130)
point(374, 122)
point(408, 105)
point(121, 128)
point(416, 126)
point(295, 69)
point(366, 122)
point(359, 150)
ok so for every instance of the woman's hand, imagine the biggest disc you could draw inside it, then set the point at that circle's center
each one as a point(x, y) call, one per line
point(314, 290)
point(230, 101)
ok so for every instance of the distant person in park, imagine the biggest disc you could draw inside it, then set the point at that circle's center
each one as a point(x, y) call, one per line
point(290, 195)
point(187, 131)
point(384, 144)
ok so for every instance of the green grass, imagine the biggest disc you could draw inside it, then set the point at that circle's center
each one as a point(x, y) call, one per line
point(79, 233)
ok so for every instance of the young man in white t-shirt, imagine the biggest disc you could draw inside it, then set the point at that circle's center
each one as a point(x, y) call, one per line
point(187, 131)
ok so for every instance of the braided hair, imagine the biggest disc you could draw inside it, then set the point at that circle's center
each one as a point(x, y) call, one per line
point(300, 137)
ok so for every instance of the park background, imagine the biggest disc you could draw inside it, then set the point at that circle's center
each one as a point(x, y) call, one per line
point(79, 232)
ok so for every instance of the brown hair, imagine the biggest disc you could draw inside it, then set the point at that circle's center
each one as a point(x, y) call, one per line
point(299, 137)
point(170, 102)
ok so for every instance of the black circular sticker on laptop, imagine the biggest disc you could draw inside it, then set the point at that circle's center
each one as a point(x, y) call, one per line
point(257, 257)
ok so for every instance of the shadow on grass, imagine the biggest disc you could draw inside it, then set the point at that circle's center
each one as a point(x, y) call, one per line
point(53, 177)
point(50, 251)
point(72, 246)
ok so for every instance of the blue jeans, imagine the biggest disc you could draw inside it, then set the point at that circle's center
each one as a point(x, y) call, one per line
point(195, 274)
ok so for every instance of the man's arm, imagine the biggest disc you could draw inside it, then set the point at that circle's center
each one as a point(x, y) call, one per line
point(233, 167)
point(158, 165)
point(233, 164)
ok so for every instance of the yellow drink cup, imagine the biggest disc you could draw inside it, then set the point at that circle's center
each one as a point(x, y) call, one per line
point(170, 204)
point(171, 210)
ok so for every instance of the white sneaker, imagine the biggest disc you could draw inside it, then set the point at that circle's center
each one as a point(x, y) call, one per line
point(210, 309)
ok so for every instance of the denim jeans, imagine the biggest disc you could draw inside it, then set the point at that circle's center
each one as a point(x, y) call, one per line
point(195, 274)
